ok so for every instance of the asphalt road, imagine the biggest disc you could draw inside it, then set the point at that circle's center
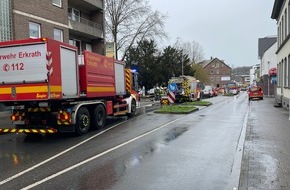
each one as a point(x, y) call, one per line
point(151, 151)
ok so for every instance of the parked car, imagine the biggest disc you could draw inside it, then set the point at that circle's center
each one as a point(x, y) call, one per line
point(207, 92)
point(255, 92)
point(151, 91)
point(156, 90)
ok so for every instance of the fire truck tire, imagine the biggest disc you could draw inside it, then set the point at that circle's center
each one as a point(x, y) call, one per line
point(82, 121)
point(99, 117)
point(133, 108)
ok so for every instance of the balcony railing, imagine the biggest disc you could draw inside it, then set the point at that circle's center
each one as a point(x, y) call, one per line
point(84, 21)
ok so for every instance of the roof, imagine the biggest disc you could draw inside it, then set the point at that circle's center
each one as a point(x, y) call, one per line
point(264, 44)
point(205, 63)
point(277, 9)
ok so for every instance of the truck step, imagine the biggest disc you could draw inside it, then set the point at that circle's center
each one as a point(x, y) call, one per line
point(123, 112)
point(120, 105)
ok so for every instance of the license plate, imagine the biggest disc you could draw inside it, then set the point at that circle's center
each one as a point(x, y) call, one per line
point(18, 122)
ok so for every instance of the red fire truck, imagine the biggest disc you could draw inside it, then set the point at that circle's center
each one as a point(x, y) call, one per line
point(51, 89)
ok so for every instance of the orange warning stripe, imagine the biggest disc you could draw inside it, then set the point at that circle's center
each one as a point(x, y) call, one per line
point(100, 89)
point(31, 89)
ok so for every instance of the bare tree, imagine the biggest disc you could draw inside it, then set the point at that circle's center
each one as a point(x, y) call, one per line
point(197, 53)
point(129, 21)
point(193, 50)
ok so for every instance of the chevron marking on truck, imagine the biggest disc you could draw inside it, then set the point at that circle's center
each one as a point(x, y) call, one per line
point(128, 80)
point(60, 122)
point(38, 109)
point(19, 114)
point(49, 62)
point(28, 131)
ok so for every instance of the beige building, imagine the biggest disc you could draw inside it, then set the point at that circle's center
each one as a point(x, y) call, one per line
point(218, 72)
point(77, 22)
point(281, 13)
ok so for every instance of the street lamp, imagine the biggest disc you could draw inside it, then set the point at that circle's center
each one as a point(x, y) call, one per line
point(182, 67)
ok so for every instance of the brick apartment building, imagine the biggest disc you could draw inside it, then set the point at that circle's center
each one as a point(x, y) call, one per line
point(77, 22)
point(218, 72)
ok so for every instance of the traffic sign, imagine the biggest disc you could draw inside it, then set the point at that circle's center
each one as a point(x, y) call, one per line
point(172, 87)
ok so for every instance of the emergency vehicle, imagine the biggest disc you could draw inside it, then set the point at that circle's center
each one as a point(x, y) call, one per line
point(187, 89)
point(52, 89)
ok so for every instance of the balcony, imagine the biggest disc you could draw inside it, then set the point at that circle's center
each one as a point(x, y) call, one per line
point(89, 5)
point(84, 27)
point(97, 3)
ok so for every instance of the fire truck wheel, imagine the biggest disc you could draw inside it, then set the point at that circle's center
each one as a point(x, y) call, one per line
point(83, 121)
point(99, 117)
point(133, 109)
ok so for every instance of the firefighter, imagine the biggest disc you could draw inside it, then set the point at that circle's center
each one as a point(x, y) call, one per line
point(157, 94)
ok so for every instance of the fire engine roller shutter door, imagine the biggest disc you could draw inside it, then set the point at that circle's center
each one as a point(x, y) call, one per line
point(119, 78)
point(69, 73)
point(17, 64)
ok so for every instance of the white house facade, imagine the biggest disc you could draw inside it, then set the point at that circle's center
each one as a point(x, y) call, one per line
point(253, 74)
point(269, 60)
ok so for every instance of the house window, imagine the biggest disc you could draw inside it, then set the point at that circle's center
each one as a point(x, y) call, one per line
point(76, 43)
point(74, 14)
point(224, 71)
point(285, 73)
point(58, 34)
point(282, 32)
point(280, 73)
point(5, 21)
point(57, 3)
point(288, 70)
point(217, 72)
point(211, 72)
point(34, 30)
point(89, 47)
point(280, 36)
point(288, 20)
point(286, 23)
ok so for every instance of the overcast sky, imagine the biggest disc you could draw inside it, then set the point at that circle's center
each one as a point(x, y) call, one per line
point(226, 29)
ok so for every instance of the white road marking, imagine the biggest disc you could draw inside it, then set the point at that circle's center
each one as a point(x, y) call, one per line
point(97, 156)
point(57, 155)
point(237, 162)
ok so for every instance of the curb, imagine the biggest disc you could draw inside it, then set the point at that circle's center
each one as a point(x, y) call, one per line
point(193, 110)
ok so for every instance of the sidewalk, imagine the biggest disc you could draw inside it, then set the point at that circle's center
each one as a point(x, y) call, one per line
point(266, 157)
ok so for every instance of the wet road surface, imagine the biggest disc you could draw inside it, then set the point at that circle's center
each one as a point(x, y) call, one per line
point(151, 151)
